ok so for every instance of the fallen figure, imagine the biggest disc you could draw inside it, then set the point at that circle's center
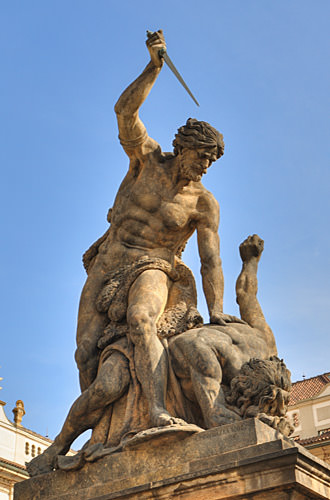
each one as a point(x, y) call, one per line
point(233, 371)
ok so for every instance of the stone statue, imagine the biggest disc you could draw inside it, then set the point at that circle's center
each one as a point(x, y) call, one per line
point(145, 359)
point(160, 203)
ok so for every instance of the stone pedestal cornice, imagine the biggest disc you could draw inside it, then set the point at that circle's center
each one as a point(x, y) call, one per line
point(247, 460)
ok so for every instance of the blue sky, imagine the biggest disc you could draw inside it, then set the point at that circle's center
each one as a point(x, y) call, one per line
point(260, 71)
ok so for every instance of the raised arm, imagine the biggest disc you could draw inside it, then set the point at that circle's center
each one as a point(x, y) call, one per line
point(247, 288)
point(132, 133)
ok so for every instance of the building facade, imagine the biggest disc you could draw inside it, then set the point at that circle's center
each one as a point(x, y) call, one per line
point(17, 446)
point(309, 412)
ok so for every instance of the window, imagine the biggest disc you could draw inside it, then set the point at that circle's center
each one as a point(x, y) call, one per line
point(27, 448)
point(33, 450)
point(295, 420)
point(39, 450)
point(323, 413)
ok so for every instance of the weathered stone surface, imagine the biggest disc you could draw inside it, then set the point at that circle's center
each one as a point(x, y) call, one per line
point(145, 358)
point(245, 460)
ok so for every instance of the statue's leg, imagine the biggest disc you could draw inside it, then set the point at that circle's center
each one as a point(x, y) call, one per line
point(146, 302)
point(247, 287)
point(90, 327)
point(199, 353)
point(111, 382)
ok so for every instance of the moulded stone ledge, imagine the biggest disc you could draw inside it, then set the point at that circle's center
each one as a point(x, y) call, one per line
point(245, 460)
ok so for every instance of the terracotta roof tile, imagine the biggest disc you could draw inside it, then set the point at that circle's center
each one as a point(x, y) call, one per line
point(315, 439)
point(308, 388)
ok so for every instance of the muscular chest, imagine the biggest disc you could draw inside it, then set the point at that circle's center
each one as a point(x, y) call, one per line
point(176, 213)
point(153, 197)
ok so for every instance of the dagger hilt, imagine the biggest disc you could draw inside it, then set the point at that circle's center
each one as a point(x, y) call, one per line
point(162, 51)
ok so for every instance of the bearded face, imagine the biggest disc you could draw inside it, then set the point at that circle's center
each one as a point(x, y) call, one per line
point(275, 402)
point(195, 162)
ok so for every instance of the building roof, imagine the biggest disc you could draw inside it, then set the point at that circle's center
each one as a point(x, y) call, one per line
point(35, 434)
point(325, 437)
point(13, 464)
point(308, 388)
point(19, 428)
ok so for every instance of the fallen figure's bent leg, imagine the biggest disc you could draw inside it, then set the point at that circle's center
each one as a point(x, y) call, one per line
point(196, 362)
point(110, 384)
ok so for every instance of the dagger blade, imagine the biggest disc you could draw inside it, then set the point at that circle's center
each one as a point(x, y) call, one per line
point(164, 55)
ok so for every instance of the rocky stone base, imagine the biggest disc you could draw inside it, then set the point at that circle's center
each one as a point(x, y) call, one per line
point(245, 460)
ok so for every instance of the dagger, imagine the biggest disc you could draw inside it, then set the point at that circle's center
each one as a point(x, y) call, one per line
point(163, 54)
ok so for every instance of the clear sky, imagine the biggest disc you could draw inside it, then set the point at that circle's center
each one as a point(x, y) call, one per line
point(260, 70)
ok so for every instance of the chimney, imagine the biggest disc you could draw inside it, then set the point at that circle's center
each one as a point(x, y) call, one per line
point(18, 412)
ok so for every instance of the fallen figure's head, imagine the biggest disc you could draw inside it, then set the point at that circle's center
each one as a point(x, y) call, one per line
point(262, 390)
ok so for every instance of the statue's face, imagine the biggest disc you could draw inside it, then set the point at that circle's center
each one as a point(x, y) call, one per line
point(278, 406)
point(195, 162)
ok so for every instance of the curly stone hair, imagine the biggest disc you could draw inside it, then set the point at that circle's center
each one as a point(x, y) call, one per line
point(256, 386)
point(197, 134)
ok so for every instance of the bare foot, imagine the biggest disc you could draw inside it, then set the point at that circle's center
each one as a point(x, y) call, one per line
point(74, 462)
point(251, 247)
point(160, 418)
point(46, 462)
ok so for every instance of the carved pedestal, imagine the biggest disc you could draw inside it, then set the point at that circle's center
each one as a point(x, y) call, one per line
point(245, 460)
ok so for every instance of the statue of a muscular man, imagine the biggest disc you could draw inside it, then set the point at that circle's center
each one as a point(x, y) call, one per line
point(159, 205)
